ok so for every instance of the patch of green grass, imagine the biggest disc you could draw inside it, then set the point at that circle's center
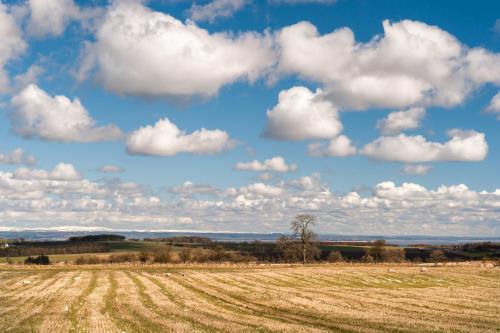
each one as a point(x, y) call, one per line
point(132, 246)
point(56, 257)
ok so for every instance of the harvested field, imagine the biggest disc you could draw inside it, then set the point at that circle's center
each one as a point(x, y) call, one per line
point(323, 298)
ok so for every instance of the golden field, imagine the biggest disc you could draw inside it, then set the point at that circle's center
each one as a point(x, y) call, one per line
point(265, 298)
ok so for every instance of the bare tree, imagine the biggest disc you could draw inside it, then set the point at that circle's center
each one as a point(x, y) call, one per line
point(301, 227)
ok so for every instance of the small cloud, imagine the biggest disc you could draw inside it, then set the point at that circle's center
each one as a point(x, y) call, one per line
point(17, 156)
point(396, 122)
point(496, 27)
point(494, 106)
point(216, 9)
point(110, 169)
point(339, 146)
point(417, 169)
point(165, 139)
point(61, 172)
point(276, 164)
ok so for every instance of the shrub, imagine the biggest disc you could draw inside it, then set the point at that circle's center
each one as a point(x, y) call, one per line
point(367, 258)
point(201, 256)
point(88, 260)
point(121, 258)
point(377, 249)
point(335, 256)
point(144, 257)
point(185, 254)
point(437, 256)
point(40, 260)
point(393, 255)
point(219, 254)
point(162, 256)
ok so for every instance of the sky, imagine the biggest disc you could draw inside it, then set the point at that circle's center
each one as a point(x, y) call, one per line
point(377, 117)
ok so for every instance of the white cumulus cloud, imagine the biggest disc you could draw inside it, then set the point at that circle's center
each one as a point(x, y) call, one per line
point(142, 52)
point(277, 164)
point(56, 118)
point(166, 139)
point(464, 145)
point(302, 115)
point(338, 146)
point(399, 121)
point(410, 64)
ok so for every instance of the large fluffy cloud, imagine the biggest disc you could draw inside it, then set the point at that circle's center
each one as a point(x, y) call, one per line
point(142, 52)
point(11, 46)
point(277, 164)
point(56, 118)
point(462, 146)
point(412, 63)
point(399, 121)
point(166, 139)
point(302, 115)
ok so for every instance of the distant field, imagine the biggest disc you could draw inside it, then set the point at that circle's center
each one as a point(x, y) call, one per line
point(323, 298)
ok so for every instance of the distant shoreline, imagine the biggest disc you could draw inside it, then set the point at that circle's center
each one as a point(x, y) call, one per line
point(41, 235)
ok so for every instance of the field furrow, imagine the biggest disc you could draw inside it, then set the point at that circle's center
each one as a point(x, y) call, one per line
point(323, 298)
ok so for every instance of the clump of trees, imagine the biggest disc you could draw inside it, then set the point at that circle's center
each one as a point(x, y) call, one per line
point(181, 240)
point(39, 260)
point(96, 238)
point(380, 252)
point(28, 249)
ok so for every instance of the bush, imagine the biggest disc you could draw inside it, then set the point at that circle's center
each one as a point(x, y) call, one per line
point(335, 256)
point(377, 249)
point(121, 258)
point(40, 260)
point(437, 256)
point(144, 257)
point(162, 256)
point(88, 260)
point(185, 254)
point(201, 256)
point(367, 258)
point(393, 255)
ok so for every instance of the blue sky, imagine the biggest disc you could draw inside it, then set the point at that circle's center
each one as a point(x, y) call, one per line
point(235, 115)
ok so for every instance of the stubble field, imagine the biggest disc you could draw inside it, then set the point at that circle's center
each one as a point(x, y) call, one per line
point(323, 298)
